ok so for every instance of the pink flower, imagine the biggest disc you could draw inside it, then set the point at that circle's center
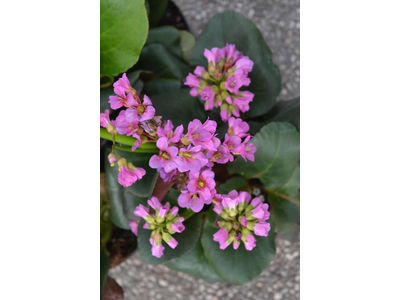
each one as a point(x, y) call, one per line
point(130, 128)
point(224, 114)
point(243, 221)
point(266, 212)
point(163, 210)
point(214, 55)
point(143, 112)
point(233, 143)
point(233, 84)
point(250, 243)
point(154, 203)
point(245, 64)
point(238, 127)
point(134, 225)
point(157, 250)
point(232, 55)
point(168, 132)
point(207, 94)
point(174, 211)
point(172, 243)
point(127, 177)
point(198, 135)
point(166, 158)
point(192, 81)
point(203, 183)
point(141, 211)
point(244, 197)
point(122, 99)
point(221, 236)
point(122, 85)
point(198, 71)
point(105, 118)
point(262, 228)
point(178, 226)
point(194, 201)
point(168, 176)
point(190, 159)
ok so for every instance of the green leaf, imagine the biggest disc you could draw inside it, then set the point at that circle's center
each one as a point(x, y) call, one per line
point(123, 200)
point(104, 267)
point(157, 10)
point(123, 32)
point(187, 43)
point(238, 266)
point(179, 107)
point(285, 111)
point(232, 28)
point(167, 68)
point(277, 155)
point(195, 263)
point(286, 212)
point(186, 239)
point(167, 36)
point(233, 183)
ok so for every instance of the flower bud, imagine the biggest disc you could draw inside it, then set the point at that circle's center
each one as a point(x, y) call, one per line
point(166, 237)
point(250, 225)
point(226, 225)
point(211, 68)
point(222, 86)
point(156, 236)
point(111, 159)
point(205, 75)
point(203, 84)
point(224, 94)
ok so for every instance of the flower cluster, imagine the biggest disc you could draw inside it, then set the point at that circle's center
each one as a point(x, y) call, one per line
point(164, 222)
point(188, 158)
point(219, 86)
point(137, 120)
point(242, 218)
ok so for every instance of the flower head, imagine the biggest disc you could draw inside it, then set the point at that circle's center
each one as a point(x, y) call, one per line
point(164, 222)
point(242, 218)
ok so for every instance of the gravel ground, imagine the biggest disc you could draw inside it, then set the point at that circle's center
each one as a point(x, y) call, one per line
point(142, 281)
point(279, 21)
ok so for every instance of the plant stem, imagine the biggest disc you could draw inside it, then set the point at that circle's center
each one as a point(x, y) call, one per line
point(123, 139)
point(138, 150)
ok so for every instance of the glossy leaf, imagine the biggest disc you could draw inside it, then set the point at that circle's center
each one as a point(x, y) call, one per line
point(286, 111)
point(156, 11)
point(179, 107)
point(167, 36)
point(123, 32)
point(195, 263)
point(187, 43)
point(232, 28)
point(167, 68)
point(283, 111)
point(123, 200)
point(233, 183)
point(285, 203)
point(186, 239)
point(277, 155)
point(238, 266)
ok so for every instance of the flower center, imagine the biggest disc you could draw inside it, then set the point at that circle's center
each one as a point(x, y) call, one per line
point(187, 155)
point(141, 109)
point(232, 83)
point(201, 183)
point(165, 155)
